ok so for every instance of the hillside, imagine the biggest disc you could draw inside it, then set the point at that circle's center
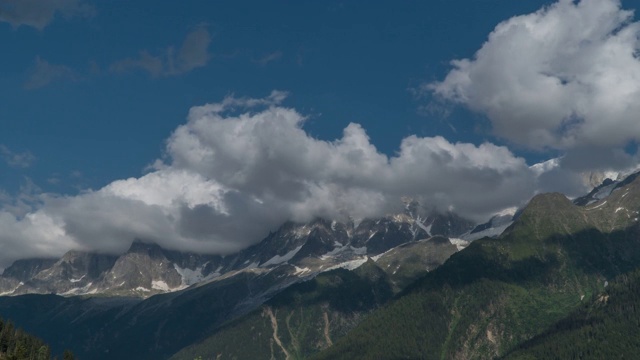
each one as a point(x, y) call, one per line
point(101, 327)
point(302, 320)
point(499, 293)
point(308, 317)
point(604, 327)
point(15, 344)
point(296, 294)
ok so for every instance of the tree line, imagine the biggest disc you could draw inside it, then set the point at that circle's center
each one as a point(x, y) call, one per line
point(16, 344)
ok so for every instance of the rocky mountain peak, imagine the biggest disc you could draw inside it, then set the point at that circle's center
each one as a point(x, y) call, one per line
point(25, 269)
point(143, 247)
point(301, 249)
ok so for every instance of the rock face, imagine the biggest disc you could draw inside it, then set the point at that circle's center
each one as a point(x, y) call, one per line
point(155, 327)
point(24, 270)
point(302, 250)
point(144, 270)
point(75, 269)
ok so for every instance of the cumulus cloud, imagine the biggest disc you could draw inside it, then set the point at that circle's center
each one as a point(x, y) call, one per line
point(40, 13)
point(43, 73)
point(241, 167)
point(17, 159)
point(566, 77)
point(563, 78)
point(191, 55)
point(265, 59)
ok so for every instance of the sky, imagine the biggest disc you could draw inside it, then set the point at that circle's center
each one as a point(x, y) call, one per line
point(204, 125)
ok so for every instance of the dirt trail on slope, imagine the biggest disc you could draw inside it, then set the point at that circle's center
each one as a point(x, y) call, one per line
point(326, 328)
point(274, 325)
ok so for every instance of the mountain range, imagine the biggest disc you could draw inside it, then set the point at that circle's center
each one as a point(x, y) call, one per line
point(101, 302)
point(408, 285)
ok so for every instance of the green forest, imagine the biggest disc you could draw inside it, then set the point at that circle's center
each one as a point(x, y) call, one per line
point(15, 344)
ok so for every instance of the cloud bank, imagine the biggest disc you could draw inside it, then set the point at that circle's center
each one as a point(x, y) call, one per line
point(241, 167)
point(566, 77)
point(563, 78)
point(40, 13)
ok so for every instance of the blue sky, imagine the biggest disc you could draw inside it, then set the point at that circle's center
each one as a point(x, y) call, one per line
point(204, 125)
point(341, 61)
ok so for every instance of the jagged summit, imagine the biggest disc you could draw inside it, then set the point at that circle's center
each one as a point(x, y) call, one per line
point(142, 247)
point(296, 250)
point(606, 188)
point(25, 269)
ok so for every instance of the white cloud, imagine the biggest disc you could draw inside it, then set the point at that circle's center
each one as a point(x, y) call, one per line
point(43, 73)
point(267, 58)
point(566, 77)
point(17, 159)
point(192, 54)
point(40, 13)
point(240, 168)
point(268, 155)
point(563, 78)
point(35, 235)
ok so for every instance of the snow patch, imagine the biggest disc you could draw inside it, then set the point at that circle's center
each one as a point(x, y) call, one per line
point(620, 208)
point(401, 218)
point(543, 167)
point(160, 285)
point(605, 191)
point(334, 252)
point(284, 258)
point(348, 265)
point(459, 243)
point(77, 280)
point(490, 232)
point(597, 206)
point(421, 225)
point(140, 288)
point(359, 251)
point(507, 212)
point(190, 277)
point(80, 291)
point(302, 231)
point(12, 290)
point(301, 271)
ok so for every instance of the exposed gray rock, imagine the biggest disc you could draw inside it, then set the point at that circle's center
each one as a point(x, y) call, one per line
point(295, 251)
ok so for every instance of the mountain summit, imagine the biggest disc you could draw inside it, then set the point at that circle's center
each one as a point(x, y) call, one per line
point(301, 250)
